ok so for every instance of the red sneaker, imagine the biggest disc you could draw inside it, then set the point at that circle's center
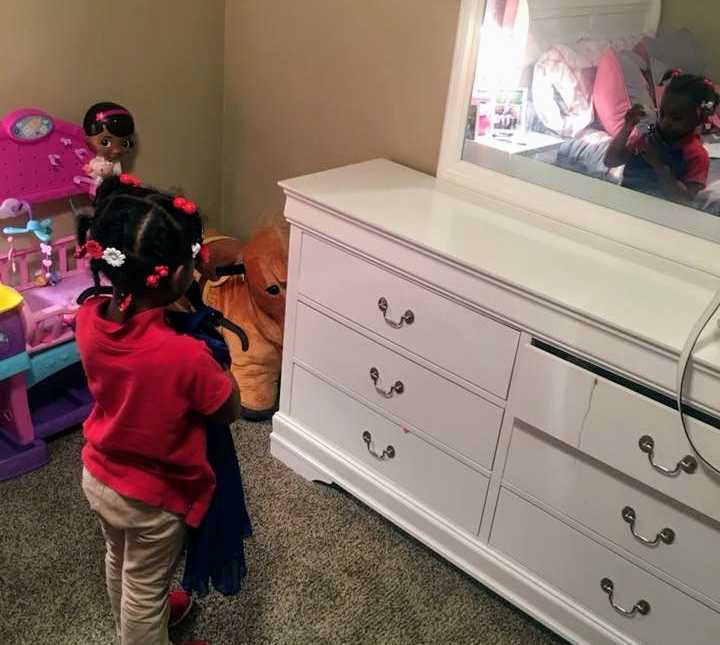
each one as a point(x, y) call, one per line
point(181, 603)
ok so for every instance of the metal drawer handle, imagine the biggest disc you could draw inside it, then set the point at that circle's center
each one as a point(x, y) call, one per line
point(687, 464)
point(398, 388)
point(408, 318)
point(641, 607)
point(666, 535)
point(388, 453)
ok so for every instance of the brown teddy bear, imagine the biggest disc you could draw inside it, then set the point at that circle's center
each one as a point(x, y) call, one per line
point(247, 284)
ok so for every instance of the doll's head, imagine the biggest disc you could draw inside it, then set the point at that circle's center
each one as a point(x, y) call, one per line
point(109, 130)
point(687, 103)
point(143, 241)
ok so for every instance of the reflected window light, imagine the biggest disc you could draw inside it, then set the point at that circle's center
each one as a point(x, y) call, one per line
point(503, 41)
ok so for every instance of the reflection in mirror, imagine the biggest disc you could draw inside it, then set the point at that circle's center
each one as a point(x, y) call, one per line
point(588, 87)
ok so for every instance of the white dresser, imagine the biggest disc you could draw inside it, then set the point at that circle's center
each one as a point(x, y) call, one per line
point(500, 386)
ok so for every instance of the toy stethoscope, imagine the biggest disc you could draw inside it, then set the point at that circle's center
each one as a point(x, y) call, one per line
point(41, 229)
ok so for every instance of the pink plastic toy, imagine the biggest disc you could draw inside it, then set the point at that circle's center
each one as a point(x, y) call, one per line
point(43, 155)
point(42, 386)
point(48, 311)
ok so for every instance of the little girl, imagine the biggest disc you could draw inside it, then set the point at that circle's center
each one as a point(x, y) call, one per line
point(668, 159)
point(145, 470)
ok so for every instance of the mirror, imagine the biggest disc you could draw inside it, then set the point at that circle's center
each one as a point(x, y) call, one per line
point(585, 97)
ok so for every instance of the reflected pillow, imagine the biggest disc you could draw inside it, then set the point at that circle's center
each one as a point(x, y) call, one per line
point(620, 83)
point(594, 49)
point(562, 90)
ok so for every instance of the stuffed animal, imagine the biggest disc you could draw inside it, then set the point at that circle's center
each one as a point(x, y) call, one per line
point(247, 283)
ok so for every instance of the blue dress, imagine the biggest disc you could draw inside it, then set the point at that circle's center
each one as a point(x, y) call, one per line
point(215, 555)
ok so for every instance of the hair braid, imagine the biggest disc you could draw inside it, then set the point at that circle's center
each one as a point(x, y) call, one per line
point(143, 226)
point(699, 90)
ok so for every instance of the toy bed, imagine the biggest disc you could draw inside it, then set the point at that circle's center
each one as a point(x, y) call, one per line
point(49, 311)
point(42, 386)
point(586, 62)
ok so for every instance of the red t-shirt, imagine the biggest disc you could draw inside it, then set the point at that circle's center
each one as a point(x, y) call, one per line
point(145, 437)
point(693, 152)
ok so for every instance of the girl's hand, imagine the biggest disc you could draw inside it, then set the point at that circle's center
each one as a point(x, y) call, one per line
point(634, 115)
point(651, 152)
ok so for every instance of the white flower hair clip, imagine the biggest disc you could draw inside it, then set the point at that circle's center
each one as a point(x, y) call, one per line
point(708, 105)
point(113, 257)
point(196, 249)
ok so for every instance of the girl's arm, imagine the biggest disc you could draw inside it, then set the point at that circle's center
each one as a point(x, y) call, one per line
point(230, 410)
point(674, 189)
point(618, 153)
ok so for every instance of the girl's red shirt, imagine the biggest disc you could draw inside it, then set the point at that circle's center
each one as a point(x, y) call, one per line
point(145, 437)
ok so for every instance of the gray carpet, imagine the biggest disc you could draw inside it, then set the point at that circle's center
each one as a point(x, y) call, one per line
point(324, 569)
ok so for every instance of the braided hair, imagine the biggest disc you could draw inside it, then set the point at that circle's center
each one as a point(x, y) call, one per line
point(150, 229)
point(699, 90)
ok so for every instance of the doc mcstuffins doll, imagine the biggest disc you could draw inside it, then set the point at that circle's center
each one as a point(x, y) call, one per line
point(110, 133)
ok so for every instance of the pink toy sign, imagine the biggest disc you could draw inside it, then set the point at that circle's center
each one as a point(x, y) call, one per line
point(41, 157)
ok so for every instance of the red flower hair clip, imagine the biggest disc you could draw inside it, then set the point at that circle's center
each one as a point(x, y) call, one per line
point(94, 250)
point(184, 205)
point(91, 248)
point(129, 180)
point(153, 280)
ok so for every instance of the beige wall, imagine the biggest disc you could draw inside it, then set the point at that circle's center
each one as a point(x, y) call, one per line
point(702, 17)
point(311, 84)
point(160, 58)
point(308, 84)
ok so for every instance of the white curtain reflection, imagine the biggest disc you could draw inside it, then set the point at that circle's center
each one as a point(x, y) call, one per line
point(503, 39)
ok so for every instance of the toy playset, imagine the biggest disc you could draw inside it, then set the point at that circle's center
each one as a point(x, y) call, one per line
point(42, 386)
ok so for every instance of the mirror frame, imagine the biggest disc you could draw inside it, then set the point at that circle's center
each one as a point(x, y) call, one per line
point(651, 233)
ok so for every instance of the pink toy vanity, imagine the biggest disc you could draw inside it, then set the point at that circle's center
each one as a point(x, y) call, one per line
point(42, 386)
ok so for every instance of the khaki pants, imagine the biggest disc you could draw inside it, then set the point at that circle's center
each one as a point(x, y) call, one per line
point(144, 545)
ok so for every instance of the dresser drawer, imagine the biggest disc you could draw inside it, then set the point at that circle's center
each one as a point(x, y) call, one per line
point(609, 422)
point(576, 565)
point(684, 546)
point(443, 332)
point(433, 479)
point(442, 409)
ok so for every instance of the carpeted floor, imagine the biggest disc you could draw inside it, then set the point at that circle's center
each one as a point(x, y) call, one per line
point(324, 569)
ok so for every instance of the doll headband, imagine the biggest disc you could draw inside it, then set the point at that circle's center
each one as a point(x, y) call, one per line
point(101, 116)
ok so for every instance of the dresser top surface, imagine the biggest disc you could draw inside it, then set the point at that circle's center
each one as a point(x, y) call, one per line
point(638, 294)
